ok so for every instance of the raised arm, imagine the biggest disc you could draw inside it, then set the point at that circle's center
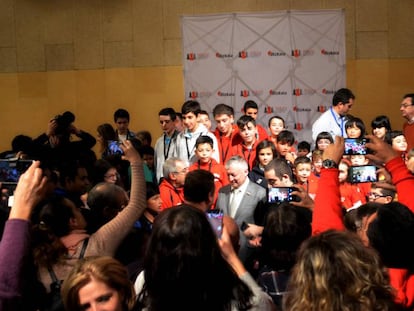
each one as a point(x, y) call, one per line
point(14, 245)
point(327, 213)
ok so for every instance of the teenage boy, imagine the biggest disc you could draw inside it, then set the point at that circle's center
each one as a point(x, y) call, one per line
point(121, 119)
point(248, 133)
point(165, 145)
point(226, 131)
point(250, 108)
point(284, 143)
point(204, 150)
point(192, 130)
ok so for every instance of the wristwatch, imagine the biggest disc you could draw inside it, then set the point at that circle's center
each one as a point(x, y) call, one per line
point(328, 163)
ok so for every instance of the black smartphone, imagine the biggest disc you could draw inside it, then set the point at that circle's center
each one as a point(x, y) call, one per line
point(10, 171)
point(281, 194)
point(362, 173)
point(355, 146)
point(215, 216)
point(114, 148)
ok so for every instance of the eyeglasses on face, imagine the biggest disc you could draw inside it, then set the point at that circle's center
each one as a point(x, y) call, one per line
point(375, 196)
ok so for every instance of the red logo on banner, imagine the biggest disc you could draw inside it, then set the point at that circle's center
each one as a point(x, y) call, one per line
point(298, 126)
point(325, 52)
point(321, 108)
point(297, 92)
point(244, 93)
point(268, 109)
point(296, 53)
point(191, 56)
point(325, 91)
point(193, 95)
point(242, 54)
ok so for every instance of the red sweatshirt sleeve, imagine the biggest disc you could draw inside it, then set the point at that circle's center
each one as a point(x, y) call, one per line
point(403, 180)
point(327, 213)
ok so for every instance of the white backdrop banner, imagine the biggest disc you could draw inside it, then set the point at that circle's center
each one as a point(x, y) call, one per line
point(289, 62)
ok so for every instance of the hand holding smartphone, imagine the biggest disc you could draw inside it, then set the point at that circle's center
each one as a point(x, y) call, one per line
point(114, 148)
point(215, 217)
point(281, 194)
point(362, 174)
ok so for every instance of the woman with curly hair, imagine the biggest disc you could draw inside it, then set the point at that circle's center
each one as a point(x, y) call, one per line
point(335, 271)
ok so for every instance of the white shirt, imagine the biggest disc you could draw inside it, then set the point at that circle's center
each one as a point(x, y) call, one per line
point(236, 197)
point(330, 122)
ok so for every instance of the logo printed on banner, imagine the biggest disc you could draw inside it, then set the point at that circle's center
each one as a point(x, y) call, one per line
point(196, 56)
point(280, 109)
point(220, 93)
point(196, 94)
point(268, 109)
point(325, 91)
point(295, 108)
point(325, 52)
point(277, 92)
point(244, 54)
point(246, 93)
point(297, 53)
point(299, 92)
point(298, 126)
point(219, 55)
point(274, 53)
point(322, 108)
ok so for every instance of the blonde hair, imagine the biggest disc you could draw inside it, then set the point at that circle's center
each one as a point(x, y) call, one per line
point(103, 269)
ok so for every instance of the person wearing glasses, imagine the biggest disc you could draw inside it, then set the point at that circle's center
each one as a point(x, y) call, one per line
point(171, 186)
point(381, 193)
point(407, 112)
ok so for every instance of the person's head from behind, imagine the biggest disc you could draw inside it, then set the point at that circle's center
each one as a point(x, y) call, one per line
point(22, 145)
point(285, 229)
point(302, 168)
point(237, 170)
point(224, 116)
point(278, 173)
point(121, 119)
point(284, 142)
point(380, 126)
point(276, 125)
point(179, 122)
point(105, 133)
point(105, 201)
point(265, 152)
point(247, 129)
point(304, 148)
point(342, 101)
point(335, 271)
point(355, 128)
point(323, 140)
point(183, 259)
point(250, 108)
point(167, 117)
point(204, 118)
point(397, 141)
point(204, 148)
point(190, 110)
point(175, 170)
point(145, 137)
point(199, 188)
point(98, 283)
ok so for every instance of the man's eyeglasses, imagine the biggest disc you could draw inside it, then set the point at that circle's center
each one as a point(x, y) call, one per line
point(406, 105)
point(375, 196)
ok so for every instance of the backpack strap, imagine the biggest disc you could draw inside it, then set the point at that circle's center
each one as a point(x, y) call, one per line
point(84, 245)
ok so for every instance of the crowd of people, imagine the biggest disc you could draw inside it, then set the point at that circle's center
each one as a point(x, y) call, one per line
point(240, 217)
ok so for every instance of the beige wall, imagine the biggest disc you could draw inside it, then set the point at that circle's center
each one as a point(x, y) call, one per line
point(93, 56)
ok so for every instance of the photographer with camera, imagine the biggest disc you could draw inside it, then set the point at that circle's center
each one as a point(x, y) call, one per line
point(56, 145)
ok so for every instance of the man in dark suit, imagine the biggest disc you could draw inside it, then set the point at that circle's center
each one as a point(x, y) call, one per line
point(239, 200)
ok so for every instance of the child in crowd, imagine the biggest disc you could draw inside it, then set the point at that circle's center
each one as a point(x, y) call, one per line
point(284, 144)
point(204, 151)
point(304, 149)
point(323, 140)
point(381, 126)
point(265, 152)
point(186, 140)
point(355, 128)
point(302, 168)
point(204, 118)
point(248, 134)
point(316, 172)
point(250, 108)
point(276, 125)
point(398, 142)
point(351, 195)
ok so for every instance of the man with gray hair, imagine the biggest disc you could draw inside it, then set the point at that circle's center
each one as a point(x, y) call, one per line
point(239, 200)
point(171, 186)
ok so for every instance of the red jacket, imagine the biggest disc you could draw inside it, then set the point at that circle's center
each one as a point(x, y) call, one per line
point(225, 143)
point(170, 195)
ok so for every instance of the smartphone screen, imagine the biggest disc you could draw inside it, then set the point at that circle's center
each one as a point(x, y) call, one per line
point(216, 220)
point(355, 146)
point(280, 194)
point(363, 173)
point(113, 147)
point(10, 171)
